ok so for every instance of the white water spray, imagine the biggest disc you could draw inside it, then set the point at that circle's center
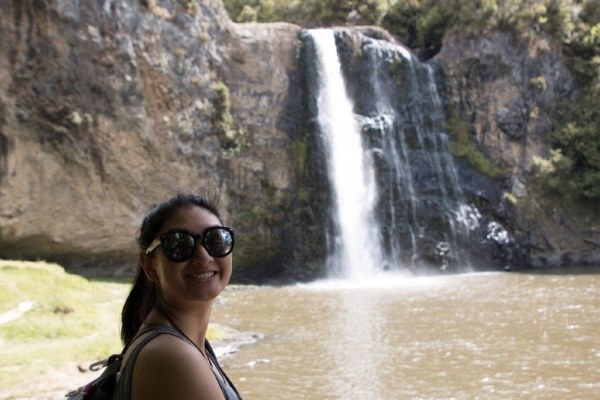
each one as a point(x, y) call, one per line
point(358, 245)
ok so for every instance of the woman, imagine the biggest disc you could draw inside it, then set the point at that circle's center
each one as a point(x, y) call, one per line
point(184, 264)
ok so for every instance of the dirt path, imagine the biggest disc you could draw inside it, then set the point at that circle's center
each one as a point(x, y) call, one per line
point(18, 312)
point(52, 385)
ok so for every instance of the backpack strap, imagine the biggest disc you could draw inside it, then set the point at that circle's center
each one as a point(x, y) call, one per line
point(113, 366)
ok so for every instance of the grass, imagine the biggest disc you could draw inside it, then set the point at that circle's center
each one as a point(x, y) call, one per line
point(74, 321)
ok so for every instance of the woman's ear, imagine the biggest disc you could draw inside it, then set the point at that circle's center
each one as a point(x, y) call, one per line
point(148, 265)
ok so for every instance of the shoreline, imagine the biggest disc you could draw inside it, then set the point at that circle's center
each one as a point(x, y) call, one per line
point(226, 347)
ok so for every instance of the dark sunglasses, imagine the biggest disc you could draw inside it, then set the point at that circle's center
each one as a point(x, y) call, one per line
point(179, 245)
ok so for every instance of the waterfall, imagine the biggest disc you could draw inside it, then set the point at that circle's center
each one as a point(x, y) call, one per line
point(422, 207)
point(357, 248)
point(396, 196)
point(414, 149)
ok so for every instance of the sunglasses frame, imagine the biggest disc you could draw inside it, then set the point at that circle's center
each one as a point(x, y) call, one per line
point(197, 238)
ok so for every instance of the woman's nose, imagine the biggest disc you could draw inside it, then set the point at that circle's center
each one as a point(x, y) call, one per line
point(201, 255)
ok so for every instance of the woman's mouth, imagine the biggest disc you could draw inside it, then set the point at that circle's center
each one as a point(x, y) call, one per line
point(203, 276)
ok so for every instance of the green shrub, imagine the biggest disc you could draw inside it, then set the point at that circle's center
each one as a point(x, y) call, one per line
point(222, 118)
point(538, 83)
point(551, 172)
point(576, 135)
point(248, 14)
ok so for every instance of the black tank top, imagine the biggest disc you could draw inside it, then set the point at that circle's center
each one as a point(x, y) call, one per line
point(123, 389)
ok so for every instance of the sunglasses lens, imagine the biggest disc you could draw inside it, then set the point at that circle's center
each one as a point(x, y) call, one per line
point(218, 241)
point(178, 246)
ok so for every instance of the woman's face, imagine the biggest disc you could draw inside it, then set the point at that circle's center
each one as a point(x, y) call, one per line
point(199, 279)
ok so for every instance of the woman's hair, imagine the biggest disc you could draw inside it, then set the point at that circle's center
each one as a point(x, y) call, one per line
point(142, 296)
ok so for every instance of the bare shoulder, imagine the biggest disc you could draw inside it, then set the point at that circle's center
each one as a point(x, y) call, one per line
point(169, 368)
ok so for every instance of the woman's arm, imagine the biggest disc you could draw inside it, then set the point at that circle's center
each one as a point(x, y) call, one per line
point(169, 368)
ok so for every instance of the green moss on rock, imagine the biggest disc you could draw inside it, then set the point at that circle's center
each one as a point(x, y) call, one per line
point(222, 118)
point(297, 153)
point(462, 146)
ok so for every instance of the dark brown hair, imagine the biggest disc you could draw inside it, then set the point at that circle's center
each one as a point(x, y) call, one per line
point(142, 296)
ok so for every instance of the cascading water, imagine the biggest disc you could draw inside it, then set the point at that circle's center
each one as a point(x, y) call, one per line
point(397, 200)
point(423, 208)
point(357, 246)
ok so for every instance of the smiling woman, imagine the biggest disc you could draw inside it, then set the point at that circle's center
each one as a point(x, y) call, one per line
point(185, 262)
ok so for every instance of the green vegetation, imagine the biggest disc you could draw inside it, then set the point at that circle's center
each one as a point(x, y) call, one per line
point(573, 24)
point(573, 166)
point(235, 142)
point(462, 146)
point(305, 12)
point(297, 153)
point(539, 83)
point(511, 198)
point(193, 7)
point(423, 23)
point(248, 14)
point(232, 141)
point(553, 171)
point(73, 320)
point(222, 118)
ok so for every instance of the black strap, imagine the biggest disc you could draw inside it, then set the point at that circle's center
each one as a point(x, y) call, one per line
point(113, 363)
point(216, 362)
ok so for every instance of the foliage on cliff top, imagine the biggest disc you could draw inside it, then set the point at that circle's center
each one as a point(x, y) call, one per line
point(573, 167)
point(574, 163)
point(421, 23)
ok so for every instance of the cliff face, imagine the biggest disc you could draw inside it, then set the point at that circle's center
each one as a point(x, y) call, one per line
point(107, 107)
point(274, 183)
point(506, 92)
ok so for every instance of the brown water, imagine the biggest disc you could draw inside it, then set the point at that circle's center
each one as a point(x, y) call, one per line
point(487, 336)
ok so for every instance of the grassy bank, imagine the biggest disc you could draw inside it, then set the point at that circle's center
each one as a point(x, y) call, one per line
point(73, 320)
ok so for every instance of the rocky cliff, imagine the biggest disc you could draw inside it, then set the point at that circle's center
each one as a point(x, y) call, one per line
point(506, 91)
point(108, 106)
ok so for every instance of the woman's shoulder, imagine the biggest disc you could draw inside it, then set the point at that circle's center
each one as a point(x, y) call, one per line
point(168, 367)
point(167, 346)
point(160, 341)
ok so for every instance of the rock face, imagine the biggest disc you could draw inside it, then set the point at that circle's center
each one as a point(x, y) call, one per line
point(107, 107)
point(507, 92)
point(275, 185)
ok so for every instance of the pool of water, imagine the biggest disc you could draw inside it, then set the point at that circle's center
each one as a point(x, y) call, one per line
point(482, 335)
